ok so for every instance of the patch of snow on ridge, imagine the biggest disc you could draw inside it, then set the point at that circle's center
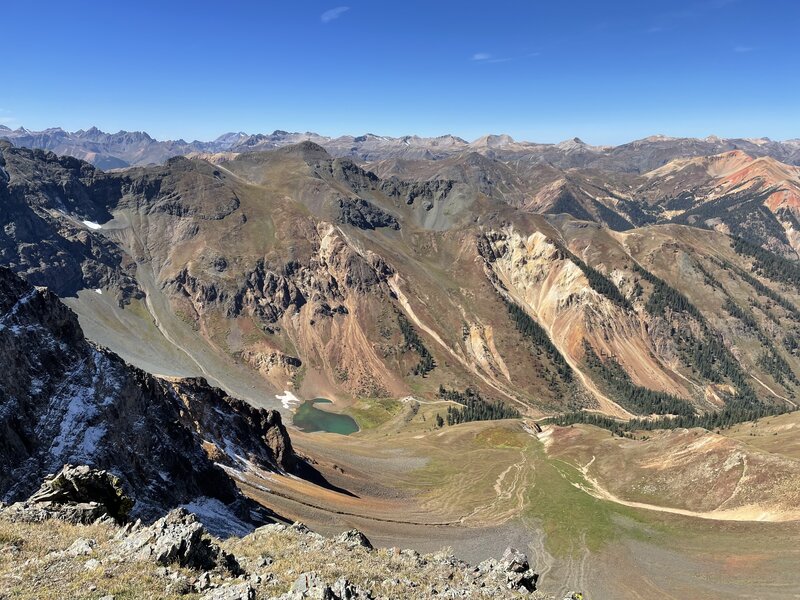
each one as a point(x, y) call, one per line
point(217, 517)
point(99, 291)
point(287, 399)
point(92, 225)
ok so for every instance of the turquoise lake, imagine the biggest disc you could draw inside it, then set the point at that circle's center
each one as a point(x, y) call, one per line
point(309, 418)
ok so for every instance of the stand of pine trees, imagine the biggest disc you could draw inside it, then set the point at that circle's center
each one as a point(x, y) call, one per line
point(635, 398)
point(474, 407)
point(534, 332)
point(708, 355)
point(412, 340)
point(764, 290)
point(597, 281)
point(770, 360)
point(768, 264)
point(730, 415)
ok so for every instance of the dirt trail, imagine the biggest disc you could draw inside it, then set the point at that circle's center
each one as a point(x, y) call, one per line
point(753, 513)
point(506, 489)
point(595, 489)
point(773, 392)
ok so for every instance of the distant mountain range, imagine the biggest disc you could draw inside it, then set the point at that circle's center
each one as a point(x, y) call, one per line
point(137, 148)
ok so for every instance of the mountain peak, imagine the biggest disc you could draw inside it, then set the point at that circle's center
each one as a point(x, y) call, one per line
point(307, 150)
point(575, 143)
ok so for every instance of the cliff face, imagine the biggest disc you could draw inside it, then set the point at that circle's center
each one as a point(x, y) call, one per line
point(47, 201)
point(64, 400)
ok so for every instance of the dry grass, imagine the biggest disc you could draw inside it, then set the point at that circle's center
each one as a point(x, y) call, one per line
point(35, 566)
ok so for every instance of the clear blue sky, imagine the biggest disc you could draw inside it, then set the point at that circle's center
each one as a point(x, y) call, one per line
point(606, 71)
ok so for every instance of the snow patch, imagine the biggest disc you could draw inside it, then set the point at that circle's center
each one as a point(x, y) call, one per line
point(37, 385)
point(91, 439)
point(92, 225)
point(218, 518)
point(20, 303)
point(98, 291)
point(288, 399)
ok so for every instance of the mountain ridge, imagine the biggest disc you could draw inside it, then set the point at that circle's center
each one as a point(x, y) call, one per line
point(137, 148)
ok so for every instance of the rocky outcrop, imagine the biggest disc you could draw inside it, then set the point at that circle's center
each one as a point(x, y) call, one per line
point(272, 363)
point(310, 585)
point(47, 201)
point(361, 181)
point(271, 290)
point(63, 400)
point(177, 538)
point(176, 555)
point(76, 494)
point(365, 215)
point(427, 192)
point(259, 433)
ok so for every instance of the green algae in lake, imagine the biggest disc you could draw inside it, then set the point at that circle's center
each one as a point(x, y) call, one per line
point(309, 418)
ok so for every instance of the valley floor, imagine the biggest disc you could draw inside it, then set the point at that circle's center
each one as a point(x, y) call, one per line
point(479, 487)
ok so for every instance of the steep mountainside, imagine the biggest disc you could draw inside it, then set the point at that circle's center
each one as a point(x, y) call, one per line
point(170, 441)
point(758, 199)
point(295, 273)
point(733, 192)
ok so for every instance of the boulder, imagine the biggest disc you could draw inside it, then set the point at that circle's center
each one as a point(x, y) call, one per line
point(354, 538)
point(77, 494)
point(513, 561)
point(177, 538)
point(519, 576)
point(236, 591)
point(311, 586)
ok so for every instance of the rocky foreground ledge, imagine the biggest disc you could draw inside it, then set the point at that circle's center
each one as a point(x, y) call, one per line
point(68, 541)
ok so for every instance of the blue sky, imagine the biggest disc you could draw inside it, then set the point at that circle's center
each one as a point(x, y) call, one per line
point(539, 70)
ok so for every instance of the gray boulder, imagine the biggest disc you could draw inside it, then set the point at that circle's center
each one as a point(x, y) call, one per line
point(77, 494)
point(236, 591)
point(517, 570)
point(354, 538)
point(311, 586)
point(177, 538)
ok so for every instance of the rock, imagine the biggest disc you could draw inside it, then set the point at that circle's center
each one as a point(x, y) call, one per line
point(81, 547)
point(91, 564)
point(513, 561)
point(203, 582)
point(310, 585)
point(523, 581)
point(354, 538)
point(236, 591)
point(78, 494)
point(307, 582)
point(344, 590)
point(264, 561)
point(365, 215)
point(300, 527)
point(177, 538)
